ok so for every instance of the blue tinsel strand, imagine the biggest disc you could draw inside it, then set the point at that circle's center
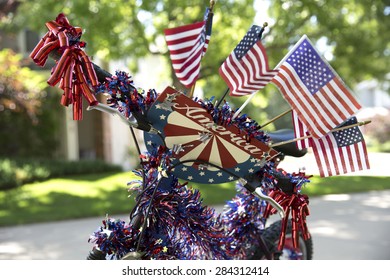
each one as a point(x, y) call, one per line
point(224, 116)
point(124, 96)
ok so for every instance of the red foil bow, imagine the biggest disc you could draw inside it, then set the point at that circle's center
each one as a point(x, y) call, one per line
point(295, 204)
point(73, 70)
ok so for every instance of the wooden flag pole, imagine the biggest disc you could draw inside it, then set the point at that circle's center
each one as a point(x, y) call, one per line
point(309, 136)
point(212, 3)
point(243, 105)
point(192, 90)
point(275, 118)
point(222, 98)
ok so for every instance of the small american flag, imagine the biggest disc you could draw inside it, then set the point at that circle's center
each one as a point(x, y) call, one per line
point(187, 45)
point(314, 90)
point(342, 151)
point(300, 130)
point(246, 69)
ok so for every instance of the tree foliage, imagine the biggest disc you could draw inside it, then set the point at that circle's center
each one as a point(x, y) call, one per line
point(28, 124)
point(353, 35)
point(118, 28)
point(20, 87)
point(356, 33)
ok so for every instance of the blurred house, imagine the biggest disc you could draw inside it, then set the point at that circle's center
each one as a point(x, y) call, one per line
point(374, 97)
point(98, 135)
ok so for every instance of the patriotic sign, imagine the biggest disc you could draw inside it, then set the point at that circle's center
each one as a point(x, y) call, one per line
point(314, 90)
point(187, 45)
point(246, 69)
point(204, 152)
point(342, 151)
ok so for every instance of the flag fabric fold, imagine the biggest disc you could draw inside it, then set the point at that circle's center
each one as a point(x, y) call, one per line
point(187, 45)
point(300, 130)
point(341, 151)
point(314, 90)
point(246, 69)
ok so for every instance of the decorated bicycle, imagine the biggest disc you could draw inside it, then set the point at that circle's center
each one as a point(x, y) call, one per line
point(189, 139)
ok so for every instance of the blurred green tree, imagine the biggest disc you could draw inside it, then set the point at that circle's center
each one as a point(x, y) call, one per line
point(27, 124)
point(353, 35)
point(117, 28)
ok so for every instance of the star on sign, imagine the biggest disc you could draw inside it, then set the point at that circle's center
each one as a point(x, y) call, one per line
point(211, 180)
point(202, 173)
point(171, 97)
point(162, 117)
point(149, 142)
point(237, 169)
point(204, 136)
point(190, 178)
point(166, 106)
point(219, 174)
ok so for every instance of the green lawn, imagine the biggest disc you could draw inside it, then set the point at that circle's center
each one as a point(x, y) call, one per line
point(95, 195)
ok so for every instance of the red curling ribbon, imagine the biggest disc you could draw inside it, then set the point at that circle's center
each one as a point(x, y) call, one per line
point(68, 71)
point(63, 20)
point(78, 31)
point(295, 228)
point(78, 103)
point(67, 97)
point(297, 205)
point(42, 55)
point(59, 69)
point(87, 92)
point(54, 27)
point(90, 70)
point(64, 41)
point(40, 44)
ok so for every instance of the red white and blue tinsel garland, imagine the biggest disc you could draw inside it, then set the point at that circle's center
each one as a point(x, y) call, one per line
point(179, 226)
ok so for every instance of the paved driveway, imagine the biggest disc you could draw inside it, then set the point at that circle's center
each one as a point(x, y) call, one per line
point(344, 227)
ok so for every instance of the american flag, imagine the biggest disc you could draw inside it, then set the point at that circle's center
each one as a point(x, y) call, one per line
point(342, 151)
point(300, 130)
point(246, 69)
point(314, 90)
point(187, 45)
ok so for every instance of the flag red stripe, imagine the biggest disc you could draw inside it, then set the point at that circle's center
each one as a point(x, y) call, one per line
point(348, 96)
point(186, 49)
point(178, 31)
point(248, 74)
point(334, 160)
point(306, 111)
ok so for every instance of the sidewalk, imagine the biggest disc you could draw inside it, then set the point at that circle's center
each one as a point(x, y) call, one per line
point(378, 165)
point(343, 227)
